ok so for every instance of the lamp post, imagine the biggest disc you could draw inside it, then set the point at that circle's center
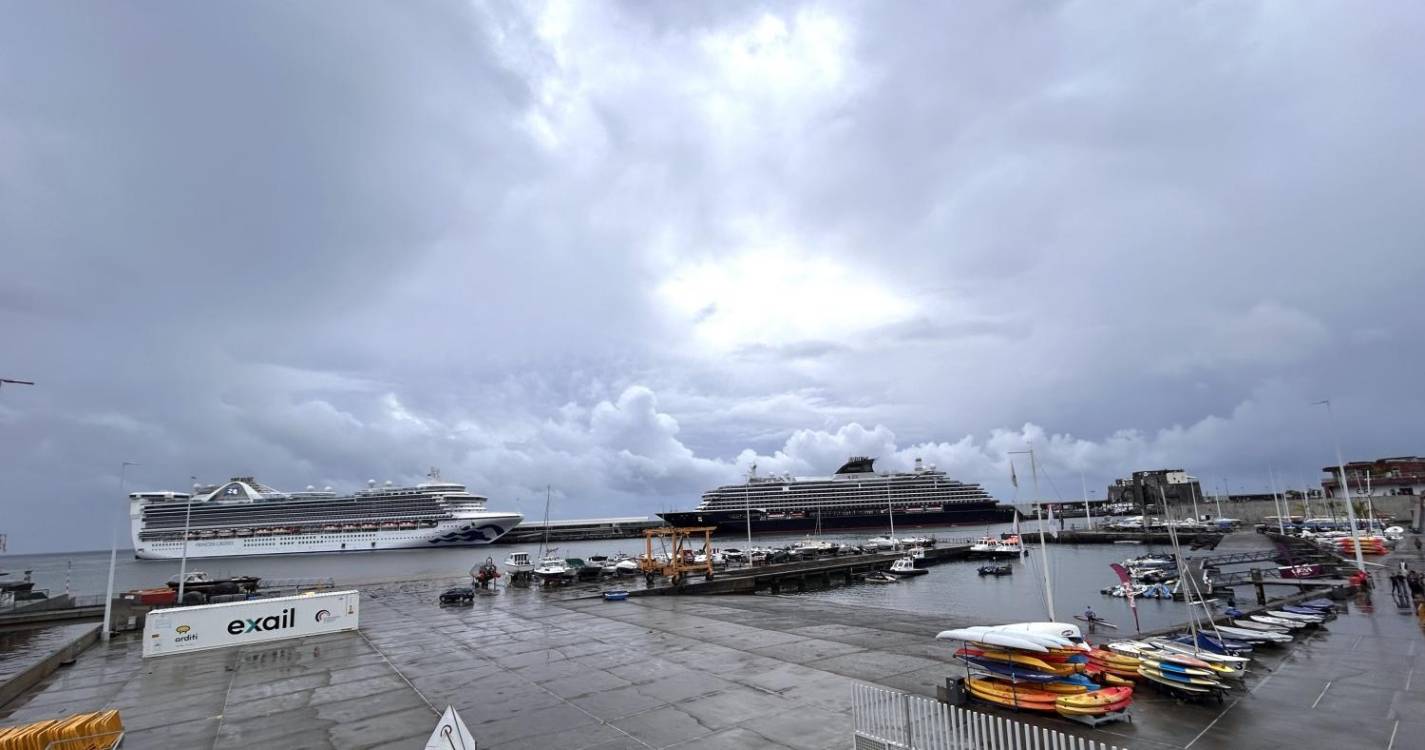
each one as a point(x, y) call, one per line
point(1192, 489)
point(114, 553)
point(1345, 486)
point(187, 523)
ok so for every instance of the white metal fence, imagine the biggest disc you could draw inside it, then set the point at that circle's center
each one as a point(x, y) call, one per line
point(891, 720)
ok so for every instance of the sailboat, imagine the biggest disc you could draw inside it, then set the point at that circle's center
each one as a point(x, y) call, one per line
point(887, 542)
point(551, 568)
point(813, 544)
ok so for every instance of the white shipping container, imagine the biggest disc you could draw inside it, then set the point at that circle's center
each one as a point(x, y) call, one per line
point(183, 629)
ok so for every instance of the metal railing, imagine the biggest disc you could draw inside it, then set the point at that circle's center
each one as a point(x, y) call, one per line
point(103, 741)
point(892, 720)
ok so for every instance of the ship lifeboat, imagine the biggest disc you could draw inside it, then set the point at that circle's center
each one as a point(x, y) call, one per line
point(263, 532)
point(408, 524)
point(331, 527)
point(350, 527)
point(369, 527)
point(244, 532)
point(225, 533)
point(390, 525)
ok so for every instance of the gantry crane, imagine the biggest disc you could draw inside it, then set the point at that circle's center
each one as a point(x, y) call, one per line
point(680, 557)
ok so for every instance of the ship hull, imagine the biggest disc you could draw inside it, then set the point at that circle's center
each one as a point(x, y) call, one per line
point(463, 532)
point(735, 521)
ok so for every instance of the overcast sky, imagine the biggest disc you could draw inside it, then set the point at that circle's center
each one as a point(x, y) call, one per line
point(627, 250)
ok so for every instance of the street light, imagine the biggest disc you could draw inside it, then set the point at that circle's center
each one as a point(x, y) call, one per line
point(1345, 486)
point(187, 523)
point(114, 553)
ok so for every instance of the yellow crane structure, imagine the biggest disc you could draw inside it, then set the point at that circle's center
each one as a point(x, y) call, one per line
point(680, 556)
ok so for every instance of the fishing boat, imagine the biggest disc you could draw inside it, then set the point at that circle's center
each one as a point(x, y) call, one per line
point(879, 577)
point(905, 568)
point(519, 562)
point(996, 570)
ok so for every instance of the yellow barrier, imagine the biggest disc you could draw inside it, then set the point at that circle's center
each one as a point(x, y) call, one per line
point(101, 730)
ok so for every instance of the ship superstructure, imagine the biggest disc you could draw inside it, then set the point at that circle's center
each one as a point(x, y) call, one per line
point(245, 517)
point(856, 496)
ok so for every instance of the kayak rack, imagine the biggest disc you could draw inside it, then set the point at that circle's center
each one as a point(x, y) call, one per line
point(1097, 721)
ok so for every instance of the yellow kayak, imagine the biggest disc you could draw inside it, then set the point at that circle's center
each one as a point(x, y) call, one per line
point(1097, 698)
point(1188, 682)
point(1177, 668)
point(1004, 694)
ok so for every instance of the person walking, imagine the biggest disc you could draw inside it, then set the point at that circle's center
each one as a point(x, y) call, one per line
point(1398, 588)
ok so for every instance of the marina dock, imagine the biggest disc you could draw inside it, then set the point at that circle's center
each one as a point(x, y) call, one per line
point(799, 576)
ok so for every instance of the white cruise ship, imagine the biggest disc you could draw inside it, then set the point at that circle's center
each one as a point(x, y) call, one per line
point(245, 517)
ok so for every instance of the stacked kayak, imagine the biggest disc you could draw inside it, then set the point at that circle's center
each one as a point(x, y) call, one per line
point(1083, 703)
point(1036, 667)
point(1094, 703)
point(1114, 663)
point(1169, 664)
point(1370, 545)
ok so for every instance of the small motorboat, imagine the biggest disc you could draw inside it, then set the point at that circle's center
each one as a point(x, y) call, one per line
point(996, 570)
point(878, 577)
point(615, 596)
point(905, 567)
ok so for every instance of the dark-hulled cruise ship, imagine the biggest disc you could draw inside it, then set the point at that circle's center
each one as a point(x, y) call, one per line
point(855, 497)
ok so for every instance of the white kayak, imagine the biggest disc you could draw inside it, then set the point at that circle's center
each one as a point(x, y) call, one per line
point(1244, 634)
point(1052, 640)
point(1296, 616)
point(1278, 622)
point(992, 638)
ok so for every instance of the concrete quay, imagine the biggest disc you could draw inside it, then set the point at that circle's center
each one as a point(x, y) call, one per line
point(540, 669)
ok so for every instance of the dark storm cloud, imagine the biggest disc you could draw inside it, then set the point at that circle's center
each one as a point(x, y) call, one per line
point(629, 249)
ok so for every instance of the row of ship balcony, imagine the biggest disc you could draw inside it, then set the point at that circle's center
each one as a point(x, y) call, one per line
point(331, 528)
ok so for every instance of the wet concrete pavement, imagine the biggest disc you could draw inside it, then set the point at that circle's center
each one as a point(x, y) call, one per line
point(529, 669)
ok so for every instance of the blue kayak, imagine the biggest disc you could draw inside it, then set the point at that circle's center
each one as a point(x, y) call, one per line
point(1013, 671)
point(1298, 610)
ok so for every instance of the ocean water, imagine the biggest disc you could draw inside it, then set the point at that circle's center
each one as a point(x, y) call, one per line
point(22, 647)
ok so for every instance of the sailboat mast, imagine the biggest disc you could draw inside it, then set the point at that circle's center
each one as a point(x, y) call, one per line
point(1043, 546)
point(544, 541)
point(1087, 516)
point(747, 505)
point(890, 510)
point(1281, 526)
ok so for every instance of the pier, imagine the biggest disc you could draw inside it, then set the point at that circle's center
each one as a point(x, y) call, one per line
point(799, 576)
